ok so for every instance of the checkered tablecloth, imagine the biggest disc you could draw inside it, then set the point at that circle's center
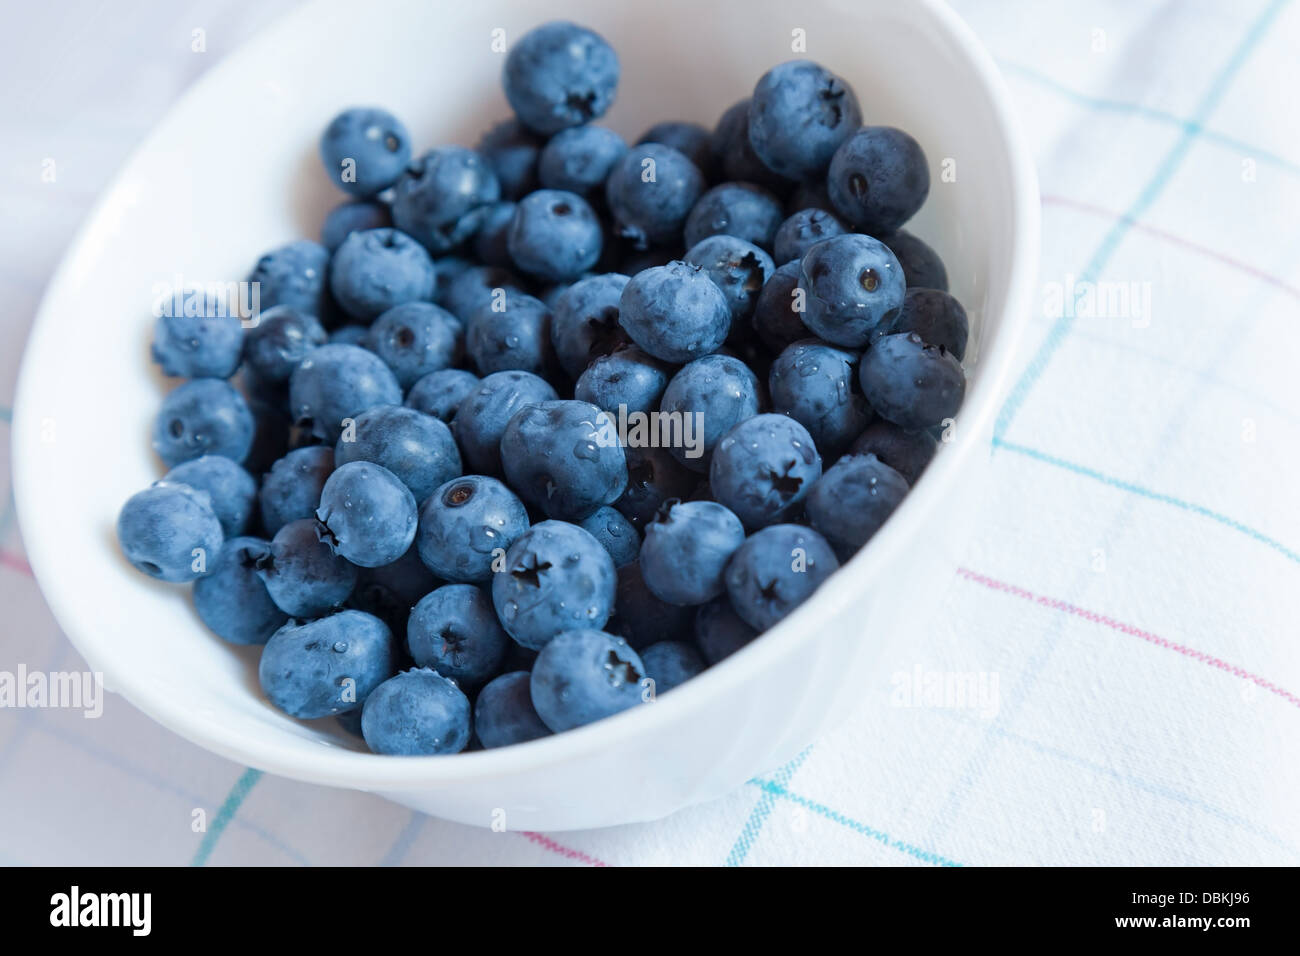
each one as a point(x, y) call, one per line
point(1126, 605)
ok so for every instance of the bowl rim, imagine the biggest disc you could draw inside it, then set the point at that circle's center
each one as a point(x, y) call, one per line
point(338, 766)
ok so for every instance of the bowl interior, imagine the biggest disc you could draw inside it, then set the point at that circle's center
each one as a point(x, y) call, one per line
point(233, 171)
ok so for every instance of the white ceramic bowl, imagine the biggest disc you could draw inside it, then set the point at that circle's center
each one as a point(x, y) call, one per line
point(233, 171)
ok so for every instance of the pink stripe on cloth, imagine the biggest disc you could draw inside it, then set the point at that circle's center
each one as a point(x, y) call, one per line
point(1058, 605)
point(1246, 267)
point(568, 853)
point(10, 560)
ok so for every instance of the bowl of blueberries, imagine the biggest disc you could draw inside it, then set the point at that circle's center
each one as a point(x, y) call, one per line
point(545, 420)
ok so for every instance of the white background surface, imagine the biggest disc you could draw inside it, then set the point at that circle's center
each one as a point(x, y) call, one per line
point(1129, 588)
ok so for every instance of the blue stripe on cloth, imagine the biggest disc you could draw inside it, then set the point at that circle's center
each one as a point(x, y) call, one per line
point(926, 856)
point(1101, 256)
point(762, 809)
point(139, 772)
point(1136, 489)
point(1151, 787)
point(237, 795)
point(402, 845)
point(1147, 112)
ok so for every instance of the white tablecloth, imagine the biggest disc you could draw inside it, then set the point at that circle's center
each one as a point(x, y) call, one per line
point(1130, 589)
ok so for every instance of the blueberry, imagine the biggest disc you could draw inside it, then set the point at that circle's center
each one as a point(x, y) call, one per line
point(810, 194)
point(851, 501)
point(349, 217)
point(467, 525)
point(641, 618)
point(775, 571)
point(560, 75)
point(206, 345)
point(481, 419)
point(910, 383)
point(615, 534)
point(853, 288)
point(583, 676)
point(739, 268)
point(551, 294)
point(812, 382)
point(170, 532)
point(303, 575)
point(556, 576)
point(273, 430)
point(205, 416)
point(720, 392)
point(651, 191)
point(670, 664)
point(763, 468)
point(442, 197)
point(414, 339)
point(416, 713)
point(802, 231)
point(627, 380)
point(564, 458)
point(675, 312)
point(449, 269)
point(377, 269)
point(653, 477)
point(415, 447)
point(291, 491)
point(232, 601)
point(475, 287)
point(878, 179)
point(742, 210)
point(440, 393)
point(777, 316)
point(491, 242)
point(554, 235)
point(391, 590)
point(908, 453)
point(329, 666)
point(293, 274)
point(584, 321)
point(231, 490)
point(922, 266)
point(579, 159)
point(686, 550)
point(719, 631)
point(504, 712)
point(800, 113)
point(735, 157)
point(366, 514)
point(692, 140)
point(364, 150)
point(281, 339)
point(454, 630)
point(350, 334)
point(936, 317)
point(512, 151)
point(512, 333)
point(337, 382)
